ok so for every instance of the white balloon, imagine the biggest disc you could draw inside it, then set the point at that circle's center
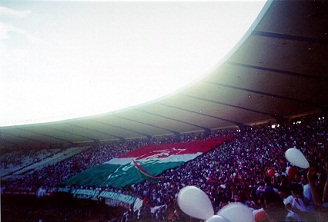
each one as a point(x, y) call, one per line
point(236, 212)
point(194, 202)
point(217, 218)
point(297, 158)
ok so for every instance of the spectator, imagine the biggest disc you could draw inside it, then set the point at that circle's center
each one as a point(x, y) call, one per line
point(299, 207)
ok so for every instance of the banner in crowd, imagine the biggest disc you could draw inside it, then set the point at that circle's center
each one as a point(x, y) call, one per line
point(118, 196)
point(85, 194)
point(146, 162)
point(111, 198)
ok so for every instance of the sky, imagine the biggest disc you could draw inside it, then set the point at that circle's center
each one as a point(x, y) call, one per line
point(68, 59)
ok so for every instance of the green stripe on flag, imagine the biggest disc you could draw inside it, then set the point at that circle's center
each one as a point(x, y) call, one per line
point(117, 175)
point(152, 160)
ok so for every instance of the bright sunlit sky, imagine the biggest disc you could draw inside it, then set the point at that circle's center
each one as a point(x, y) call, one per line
point(67, 59)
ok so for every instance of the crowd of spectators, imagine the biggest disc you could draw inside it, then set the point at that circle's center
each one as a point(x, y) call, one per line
point(251, 169)
point(89, 157)
point(248, 168)
point(19, 158)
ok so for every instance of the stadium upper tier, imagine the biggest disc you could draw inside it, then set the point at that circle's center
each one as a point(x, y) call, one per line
point(280, 70)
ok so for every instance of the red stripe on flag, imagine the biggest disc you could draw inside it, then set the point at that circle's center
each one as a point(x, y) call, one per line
point(165, 150)
point(143, 171)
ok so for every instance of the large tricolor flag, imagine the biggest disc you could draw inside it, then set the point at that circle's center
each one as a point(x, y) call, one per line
point(142, 163)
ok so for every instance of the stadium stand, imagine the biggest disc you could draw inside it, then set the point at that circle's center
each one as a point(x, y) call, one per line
point(28, 161)
point(15, 160)
point(251, 169)
point(278, 72)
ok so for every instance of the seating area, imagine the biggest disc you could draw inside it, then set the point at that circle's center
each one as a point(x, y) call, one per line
point(30, 160)
point(13, 160)
point(236, 171)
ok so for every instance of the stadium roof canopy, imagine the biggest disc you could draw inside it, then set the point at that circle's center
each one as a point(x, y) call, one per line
point(280, 70)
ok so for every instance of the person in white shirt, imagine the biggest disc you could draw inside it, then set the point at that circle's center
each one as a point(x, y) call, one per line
point(299, 208)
